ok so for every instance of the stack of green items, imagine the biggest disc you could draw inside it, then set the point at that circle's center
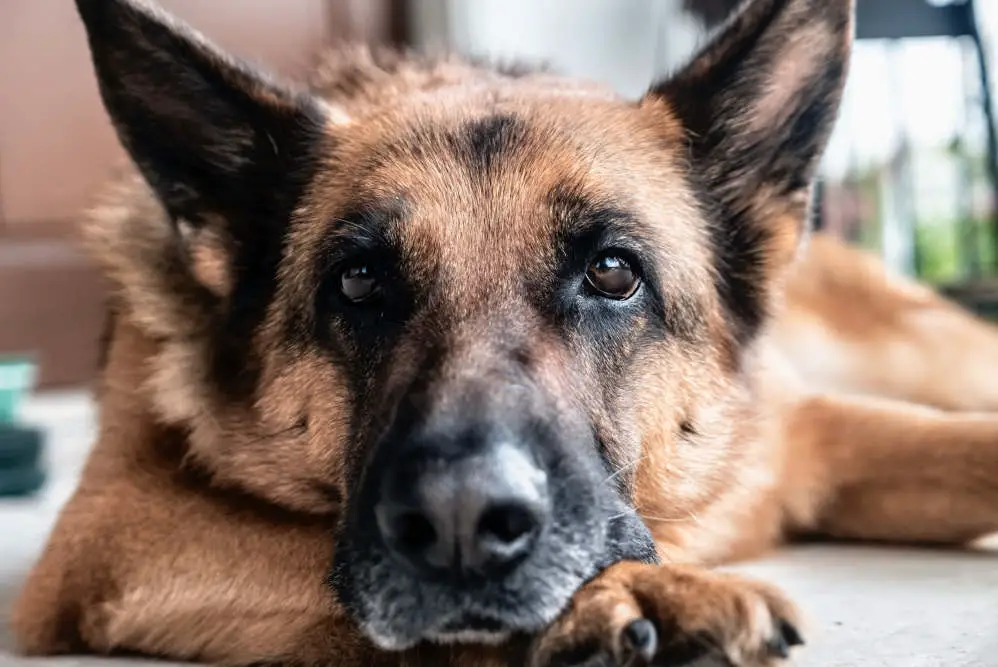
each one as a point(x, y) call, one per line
point(21, 471)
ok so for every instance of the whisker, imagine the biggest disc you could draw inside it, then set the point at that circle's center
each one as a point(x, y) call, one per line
point(618, 516)
point(658, 519)
point(622, 469)
point(276, 434)
point(688, 517)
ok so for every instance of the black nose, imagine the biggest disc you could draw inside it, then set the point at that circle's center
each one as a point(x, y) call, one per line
point(479, 514)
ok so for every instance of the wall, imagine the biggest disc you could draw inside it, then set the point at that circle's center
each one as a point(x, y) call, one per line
point(56, 147)
point(624, 43)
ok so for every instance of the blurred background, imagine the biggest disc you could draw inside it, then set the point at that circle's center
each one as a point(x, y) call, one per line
point(911, 172)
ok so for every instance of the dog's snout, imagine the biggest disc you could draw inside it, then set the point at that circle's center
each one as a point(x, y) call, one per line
point(480, 514)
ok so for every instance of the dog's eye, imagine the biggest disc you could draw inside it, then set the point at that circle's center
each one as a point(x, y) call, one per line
point(612, 276)
point(358, 283)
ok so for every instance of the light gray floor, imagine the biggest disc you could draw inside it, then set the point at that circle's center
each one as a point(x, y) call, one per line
point(868, 607)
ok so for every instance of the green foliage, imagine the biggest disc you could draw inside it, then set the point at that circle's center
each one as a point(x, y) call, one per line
point(937, 246)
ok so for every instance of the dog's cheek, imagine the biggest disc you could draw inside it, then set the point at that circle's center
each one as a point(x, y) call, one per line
point(683, 417)
point(289, 446)
point(310, 396)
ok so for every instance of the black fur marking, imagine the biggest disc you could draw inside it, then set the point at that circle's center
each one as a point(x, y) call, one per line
point(106, 334)
point(479, 145)
point(482, 143)
point(740, 245)
point(803, 140)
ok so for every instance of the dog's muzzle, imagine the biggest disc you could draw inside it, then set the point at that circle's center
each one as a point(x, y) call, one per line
point(477, 520)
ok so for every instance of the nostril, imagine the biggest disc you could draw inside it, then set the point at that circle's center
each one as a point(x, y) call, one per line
point(480, 514)
point(414, 533)
point(507, 525)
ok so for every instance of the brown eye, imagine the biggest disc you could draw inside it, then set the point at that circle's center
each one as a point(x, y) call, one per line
point(357, 283)
point(612, 276)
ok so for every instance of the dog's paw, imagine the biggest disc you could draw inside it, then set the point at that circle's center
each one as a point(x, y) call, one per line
point(636, 614)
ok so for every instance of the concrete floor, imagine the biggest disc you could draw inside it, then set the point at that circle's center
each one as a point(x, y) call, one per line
point(868, 607)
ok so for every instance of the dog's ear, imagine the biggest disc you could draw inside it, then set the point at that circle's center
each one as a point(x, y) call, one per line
point(757, 105)
point(215, 139)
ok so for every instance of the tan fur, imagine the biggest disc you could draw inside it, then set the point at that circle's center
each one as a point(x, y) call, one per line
point(202, 526)
point(731, 613)
point(836, 449)
point(794, 68)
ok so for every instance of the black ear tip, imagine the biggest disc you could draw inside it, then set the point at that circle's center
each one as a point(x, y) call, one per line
point(114, 23)
point(97, 9)
point(91, 10)
point(98, 14)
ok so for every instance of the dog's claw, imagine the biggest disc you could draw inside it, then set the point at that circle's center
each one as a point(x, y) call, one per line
point(790, 634)
point(640, 615)
point(640, 638)
point(778, 647)
point(787, 636)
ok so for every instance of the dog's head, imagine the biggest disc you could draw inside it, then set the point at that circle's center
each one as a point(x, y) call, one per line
point(485, 319)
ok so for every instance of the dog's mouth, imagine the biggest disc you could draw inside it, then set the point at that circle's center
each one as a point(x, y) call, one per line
point(473, 623)
point(490, 614)
point(471, 628)
point(397, 610)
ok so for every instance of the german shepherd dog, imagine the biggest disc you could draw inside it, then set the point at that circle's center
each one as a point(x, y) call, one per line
point(427, 362)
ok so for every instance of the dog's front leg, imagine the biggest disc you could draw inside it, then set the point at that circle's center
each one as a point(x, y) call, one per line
point(141, 564)
point(636, 614)
point(884, 470)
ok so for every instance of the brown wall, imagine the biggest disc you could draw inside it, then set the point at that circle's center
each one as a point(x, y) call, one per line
point(56, 147)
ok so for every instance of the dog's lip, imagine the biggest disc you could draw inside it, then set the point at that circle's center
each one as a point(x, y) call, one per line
point(472, 622)
point(471, 628)
point(469, 637)
point(464, 628)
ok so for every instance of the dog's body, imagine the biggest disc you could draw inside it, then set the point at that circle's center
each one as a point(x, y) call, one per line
point(795, 387)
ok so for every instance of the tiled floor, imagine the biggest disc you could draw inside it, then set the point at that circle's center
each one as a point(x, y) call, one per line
point(869, 607)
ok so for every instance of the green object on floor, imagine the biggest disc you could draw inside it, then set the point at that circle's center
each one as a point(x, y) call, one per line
point(21, 481)
point(21, 471)
point(17, 378)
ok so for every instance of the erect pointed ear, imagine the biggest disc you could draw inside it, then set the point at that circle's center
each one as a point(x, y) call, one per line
point(214, 139)
point(757, 105)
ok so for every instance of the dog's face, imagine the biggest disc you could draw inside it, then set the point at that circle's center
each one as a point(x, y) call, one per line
point(485, 320)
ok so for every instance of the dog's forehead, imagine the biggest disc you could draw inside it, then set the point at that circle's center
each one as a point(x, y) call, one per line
point(485, 177)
